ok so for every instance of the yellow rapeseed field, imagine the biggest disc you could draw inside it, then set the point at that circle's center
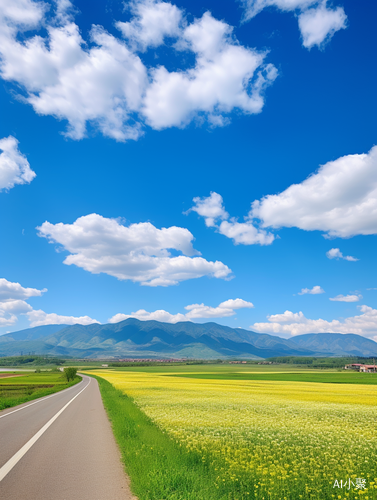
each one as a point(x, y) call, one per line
point(271, 440)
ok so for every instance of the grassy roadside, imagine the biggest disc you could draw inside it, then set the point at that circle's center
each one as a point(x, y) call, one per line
point(18, 390)
point(158, 467)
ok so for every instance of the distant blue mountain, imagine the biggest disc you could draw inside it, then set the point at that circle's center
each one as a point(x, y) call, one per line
point(32, 333)
point(338, 343)
point(134, 338)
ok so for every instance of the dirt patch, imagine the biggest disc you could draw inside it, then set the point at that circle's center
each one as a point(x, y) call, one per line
point(7, 375)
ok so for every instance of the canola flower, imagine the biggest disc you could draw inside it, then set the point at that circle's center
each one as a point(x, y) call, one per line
point(270, 440)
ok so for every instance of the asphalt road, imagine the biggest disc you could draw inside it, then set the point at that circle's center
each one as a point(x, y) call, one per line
point(61, 448)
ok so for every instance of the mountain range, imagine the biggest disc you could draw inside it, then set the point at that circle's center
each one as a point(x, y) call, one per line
point(152, 339)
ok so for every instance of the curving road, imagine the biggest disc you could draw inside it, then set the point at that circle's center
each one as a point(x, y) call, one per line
point(61, 447)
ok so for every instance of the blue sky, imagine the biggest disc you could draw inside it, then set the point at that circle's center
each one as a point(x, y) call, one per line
point(116, 117)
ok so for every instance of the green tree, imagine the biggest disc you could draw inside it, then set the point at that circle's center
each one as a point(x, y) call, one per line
point(70, 373)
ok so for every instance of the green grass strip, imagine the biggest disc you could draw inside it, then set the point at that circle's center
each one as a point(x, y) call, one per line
point(321, 378)
point(158, 467)
point(26, 394)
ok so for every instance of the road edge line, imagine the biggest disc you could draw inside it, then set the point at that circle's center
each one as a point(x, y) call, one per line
point(8, 466)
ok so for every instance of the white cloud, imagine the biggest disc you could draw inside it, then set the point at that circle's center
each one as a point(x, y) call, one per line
point(12, 301)
point(317, 23)
point(14, 291)
point(39, 318)
point(12, 304)
point(10, 309)
point(8, 320)
point(225, 77)
point(64, 11)
point(346, 298)
point(142, 315)
point(21, 14)
point(14, 167)
point(335, 253)
point(223, 310)
point(291, 323)
point(103, 82)
point(102, 85)
point(244, 233)
point(139, 252)
point(340, 199)
point(253, 7)
point(152, 22)
point(236, 304)
point(15, 307)
point(64, 78)
point(287, 317)
point(195, 311)
point(312, 291)
point(211, 208)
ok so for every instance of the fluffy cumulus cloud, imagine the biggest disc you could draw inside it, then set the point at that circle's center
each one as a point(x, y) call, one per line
point(317, 20)
point(15, 291)
point(335, 253)
point(312, 291)
point(340, 199)
point(318, 25)
point(13, 303)
point(346, 298)
point(223, 310)
point(195, 311)
point(14, 167)
point(140, 252)
point(364, 324)
point(244, 233)
point(63, 78)
point(152, 22)
point(211, 208)
point(39, 318)
point(224, 78)
point(104, 82)
point(13, 298)
point(287, 317)
point(10, 309)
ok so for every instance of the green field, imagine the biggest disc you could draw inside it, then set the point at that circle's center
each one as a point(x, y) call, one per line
point(316, 377)
point(221, 368)
point(26, 387)
point(234, 432)
point(283, 372)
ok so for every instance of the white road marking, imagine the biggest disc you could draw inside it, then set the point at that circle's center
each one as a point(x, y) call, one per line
point(6, 468)
point(36, 402)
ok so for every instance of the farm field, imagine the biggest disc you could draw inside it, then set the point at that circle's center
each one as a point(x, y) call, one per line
point(20, 387)
point(263, 434)
point(307, 376)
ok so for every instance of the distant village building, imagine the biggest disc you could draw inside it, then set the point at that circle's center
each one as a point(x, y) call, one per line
point(368, 368)
point(359, 367)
